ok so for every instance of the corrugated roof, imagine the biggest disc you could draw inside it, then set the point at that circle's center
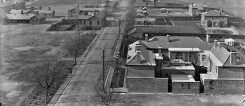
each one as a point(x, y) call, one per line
point(20, 16)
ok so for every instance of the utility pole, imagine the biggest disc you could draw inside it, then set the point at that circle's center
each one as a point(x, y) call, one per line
point(103, 65)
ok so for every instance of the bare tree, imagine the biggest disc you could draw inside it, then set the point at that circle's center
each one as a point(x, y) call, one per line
point(75, 46)
point(106, 96)
point(46, 75)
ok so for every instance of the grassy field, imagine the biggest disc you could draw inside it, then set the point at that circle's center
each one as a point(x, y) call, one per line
point(22, 47)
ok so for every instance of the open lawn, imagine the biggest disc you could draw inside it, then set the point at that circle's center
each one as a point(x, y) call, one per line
point(22, 47)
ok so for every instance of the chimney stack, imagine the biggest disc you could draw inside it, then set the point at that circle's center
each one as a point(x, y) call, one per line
point(215, 43)
point(22, 12)
point(159, 50)
point(49, 8)
point(40, 8)
point(208, 38)
point(233, 58)
point(168, 38)
point(146, 37)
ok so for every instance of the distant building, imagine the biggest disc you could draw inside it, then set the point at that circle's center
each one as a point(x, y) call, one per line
point(87, 17)
point(160, 58)
point(6, 6)
point(24, 17)
point(226, 71)
point(214, 18)
point(48, 13)
point(197, 8)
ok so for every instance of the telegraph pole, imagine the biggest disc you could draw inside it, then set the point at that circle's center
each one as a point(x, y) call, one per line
point(103, 65)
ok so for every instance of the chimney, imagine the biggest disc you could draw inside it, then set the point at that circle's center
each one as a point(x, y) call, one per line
point(233, 58)
point(49, 8)
point(159, 50)
point(168, 38)
point(138, 56)
point(215, 43)
point(40, 8)
point(207, 38)
point(22, 12)
point(146, 37)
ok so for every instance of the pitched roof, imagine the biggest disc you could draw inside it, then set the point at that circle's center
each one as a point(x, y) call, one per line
point(14, 11)
point(20, 16)
point(146, 56)
point(220, 53)
point(215, 13)
point(168, 29)
point(175, 42)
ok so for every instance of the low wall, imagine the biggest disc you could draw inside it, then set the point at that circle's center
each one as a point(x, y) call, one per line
point(186, 87)
point(147, 85)
point(224, 87)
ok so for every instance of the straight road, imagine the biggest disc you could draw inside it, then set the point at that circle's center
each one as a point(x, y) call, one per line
point(81, 88)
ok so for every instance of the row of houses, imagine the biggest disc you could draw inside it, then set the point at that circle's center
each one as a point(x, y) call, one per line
point(167, 64)
point(184, 62)
point(209, 17)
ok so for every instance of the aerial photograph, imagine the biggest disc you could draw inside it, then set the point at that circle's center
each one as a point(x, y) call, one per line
point(122, 52)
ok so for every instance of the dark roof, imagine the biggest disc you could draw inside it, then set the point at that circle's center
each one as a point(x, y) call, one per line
point(176, 42)
point(215, 13)
point(167, 29)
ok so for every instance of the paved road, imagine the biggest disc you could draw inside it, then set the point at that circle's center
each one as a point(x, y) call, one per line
point(81, 88)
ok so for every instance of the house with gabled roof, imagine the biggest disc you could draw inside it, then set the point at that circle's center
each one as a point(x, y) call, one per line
point(226, 71)
point(87, 17)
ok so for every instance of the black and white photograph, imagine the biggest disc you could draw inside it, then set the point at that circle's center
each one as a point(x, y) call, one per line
point(122, 52)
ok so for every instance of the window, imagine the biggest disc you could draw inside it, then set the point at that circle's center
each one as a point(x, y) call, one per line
point(189, 87)
point(182, 85)
point(84, 22)
point(203, 57)
point(90, 22)
point(211, 85)
point(179, 56)
point(98, 22)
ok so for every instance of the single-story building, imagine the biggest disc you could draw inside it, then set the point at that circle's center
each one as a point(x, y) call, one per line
point(23, 18)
